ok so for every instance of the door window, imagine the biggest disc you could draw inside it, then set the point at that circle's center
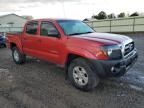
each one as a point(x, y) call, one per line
point(48, 29)
point(31, 28)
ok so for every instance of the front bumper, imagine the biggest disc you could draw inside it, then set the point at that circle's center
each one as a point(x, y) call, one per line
point(114, 68)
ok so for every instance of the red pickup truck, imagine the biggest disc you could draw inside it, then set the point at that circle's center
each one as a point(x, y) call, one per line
point(87, 56)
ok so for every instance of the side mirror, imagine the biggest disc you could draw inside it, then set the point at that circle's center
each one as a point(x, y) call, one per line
point(54, 33)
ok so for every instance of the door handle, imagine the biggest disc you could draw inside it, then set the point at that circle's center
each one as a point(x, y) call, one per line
point(25, 38)
point(39, 40)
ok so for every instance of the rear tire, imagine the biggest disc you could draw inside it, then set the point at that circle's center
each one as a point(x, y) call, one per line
point(81, 75)
point(18, 57)
point(3, 46)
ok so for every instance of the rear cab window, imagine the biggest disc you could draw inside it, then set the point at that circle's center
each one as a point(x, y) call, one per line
point(32, 27)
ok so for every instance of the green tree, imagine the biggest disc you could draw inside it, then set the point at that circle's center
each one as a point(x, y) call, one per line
point(95, 17)
point(121, 15)
point(111, 16)
point(101, 15)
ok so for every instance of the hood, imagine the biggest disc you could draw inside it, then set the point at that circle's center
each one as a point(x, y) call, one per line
point(104, 38)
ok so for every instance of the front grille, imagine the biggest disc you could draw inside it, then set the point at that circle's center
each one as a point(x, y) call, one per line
point(128, 48)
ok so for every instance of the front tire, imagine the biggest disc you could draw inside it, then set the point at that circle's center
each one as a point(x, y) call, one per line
point(81, 75)
point(18, 58)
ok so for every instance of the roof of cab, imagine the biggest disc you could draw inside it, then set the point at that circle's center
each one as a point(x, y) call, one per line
point(52, 19)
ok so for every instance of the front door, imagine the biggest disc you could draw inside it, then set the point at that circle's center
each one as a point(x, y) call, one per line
point(51, 46)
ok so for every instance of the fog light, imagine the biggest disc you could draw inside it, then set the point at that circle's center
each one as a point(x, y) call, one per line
point(112, 69)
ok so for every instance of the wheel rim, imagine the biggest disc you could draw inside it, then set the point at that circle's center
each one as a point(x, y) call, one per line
point(16, 55)
point(80, 75)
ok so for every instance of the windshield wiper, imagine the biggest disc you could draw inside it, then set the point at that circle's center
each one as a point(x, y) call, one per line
point(75, 34)
point(79, 33)
point(88, 32)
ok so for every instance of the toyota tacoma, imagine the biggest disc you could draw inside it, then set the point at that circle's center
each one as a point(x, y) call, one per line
point(86, 55)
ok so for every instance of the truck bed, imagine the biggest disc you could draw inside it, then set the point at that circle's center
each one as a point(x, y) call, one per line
point(13, 33)
point(13, 37)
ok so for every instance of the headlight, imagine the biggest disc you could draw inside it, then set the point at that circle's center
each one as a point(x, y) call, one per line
point(113, 52)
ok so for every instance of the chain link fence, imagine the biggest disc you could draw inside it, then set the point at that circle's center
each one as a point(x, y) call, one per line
point(119, 25)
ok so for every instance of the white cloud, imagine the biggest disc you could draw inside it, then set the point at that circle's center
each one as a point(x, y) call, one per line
point(69, 8)
point(34, 1)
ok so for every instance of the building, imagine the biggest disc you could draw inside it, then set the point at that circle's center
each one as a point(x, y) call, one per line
point(27, 17)
point(11, 23)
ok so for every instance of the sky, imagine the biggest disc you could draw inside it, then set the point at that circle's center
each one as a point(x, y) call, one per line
point(75, 9)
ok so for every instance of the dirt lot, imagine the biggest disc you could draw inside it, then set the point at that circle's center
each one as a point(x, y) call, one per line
point(39, 84)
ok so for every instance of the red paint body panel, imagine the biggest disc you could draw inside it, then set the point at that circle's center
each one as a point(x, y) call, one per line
point(56, 50)
point(16, 39)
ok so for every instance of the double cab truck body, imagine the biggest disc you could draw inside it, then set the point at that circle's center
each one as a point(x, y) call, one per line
point(86, 55)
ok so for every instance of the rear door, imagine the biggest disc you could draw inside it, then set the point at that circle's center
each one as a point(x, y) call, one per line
point(30, 39)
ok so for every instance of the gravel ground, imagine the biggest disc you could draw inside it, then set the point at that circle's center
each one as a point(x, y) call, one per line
point(39, 84)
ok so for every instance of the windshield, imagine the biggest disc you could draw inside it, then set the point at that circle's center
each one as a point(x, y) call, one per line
point(74, 27)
